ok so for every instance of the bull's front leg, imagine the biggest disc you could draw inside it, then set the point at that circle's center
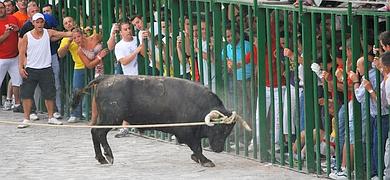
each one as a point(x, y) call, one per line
point(198, 156)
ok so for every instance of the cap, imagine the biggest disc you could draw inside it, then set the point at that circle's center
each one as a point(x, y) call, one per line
point(38, 16)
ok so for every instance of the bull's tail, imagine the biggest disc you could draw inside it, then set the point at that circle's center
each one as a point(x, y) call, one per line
point(77, 96)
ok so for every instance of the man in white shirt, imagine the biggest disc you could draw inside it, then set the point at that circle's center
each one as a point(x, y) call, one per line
point(126, 52)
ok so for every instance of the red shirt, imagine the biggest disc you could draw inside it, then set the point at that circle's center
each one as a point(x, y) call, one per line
point(273, 60)
point(9, 47)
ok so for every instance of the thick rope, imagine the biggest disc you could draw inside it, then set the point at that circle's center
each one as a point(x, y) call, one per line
point(216, 116)
point(106, 126)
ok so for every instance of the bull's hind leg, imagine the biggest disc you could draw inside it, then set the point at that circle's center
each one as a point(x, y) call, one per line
point(198, 156)
point(96, 144)
point(107, 149)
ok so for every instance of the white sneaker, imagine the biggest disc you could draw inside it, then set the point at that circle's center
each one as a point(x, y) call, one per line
point(34, 117)
point(57, 115)
point(338, 175)
point(54, 121)
point(24, 124)
point(73, 119)
point(7, 105)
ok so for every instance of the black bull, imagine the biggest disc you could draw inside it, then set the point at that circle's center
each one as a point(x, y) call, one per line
point(142, 100)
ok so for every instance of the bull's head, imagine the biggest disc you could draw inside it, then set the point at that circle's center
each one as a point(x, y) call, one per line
point(218, 133)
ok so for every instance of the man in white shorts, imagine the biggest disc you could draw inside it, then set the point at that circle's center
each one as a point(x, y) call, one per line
point(9, 51)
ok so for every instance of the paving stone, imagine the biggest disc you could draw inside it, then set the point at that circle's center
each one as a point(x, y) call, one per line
point(67, 153)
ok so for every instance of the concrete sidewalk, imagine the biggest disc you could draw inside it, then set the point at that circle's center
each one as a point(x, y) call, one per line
point(65, 153)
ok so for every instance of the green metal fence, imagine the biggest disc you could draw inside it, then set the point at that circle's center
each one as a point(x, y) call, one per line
point(236, 48)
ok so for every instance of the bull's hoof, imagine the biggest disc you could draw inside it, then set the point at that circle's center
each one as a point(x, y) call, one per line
point(194, 158)
point(101, 160)
point(110, 159)
point(208, 164)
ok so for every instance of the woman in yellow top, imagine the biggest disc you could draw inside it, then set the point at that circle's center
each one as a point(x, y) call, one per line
point(75, 45)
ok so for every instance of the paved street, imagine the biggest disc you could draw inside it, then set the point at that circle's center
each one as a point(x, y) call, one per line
point(65, 153)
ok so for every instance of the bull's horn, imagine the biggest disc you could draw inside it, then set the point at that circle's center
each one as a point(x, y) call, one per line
point(207, 119)
point(243, 123)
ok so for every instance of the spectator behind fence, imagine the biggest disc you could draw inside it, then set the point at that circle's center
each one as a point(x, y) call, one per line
point(21, 14)
point(126, 52)
point(68, 45)
point(9, 52)
point(384, 40)
point(10, 7)
point(144, 34)
point(91, 54)
point(35, 67)
point(241, 75)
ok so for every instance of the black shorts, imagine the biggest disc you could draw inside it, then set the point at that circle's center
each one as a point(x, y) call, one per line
point(42, 77)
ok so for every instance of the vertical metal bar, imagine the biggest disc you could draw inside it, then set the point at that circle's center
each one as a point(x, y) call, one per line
point(235, 98)
point(357, 119)
point(192, 52)
point(296, 79)
point(325, 85)
point(175, 31)
point(270, 75)
point(160, 48)
point(77, 6)
point(200, 39)
point(84, 12)
point(253, 83)
point(207, 19)
point(308, 82)
point(280, 95)
point(288, 90)
point(346, 92)
point(183, 39)
point(315, 93)
point(60, 6)
point(107, 22)
point(335, 96)
point(261, 107)
point(66, 8)
point(145, 41)
point(152, 40)
point(379, 103)
point(123, 4)
point(243, 75)
point(97, 16)
point(131, 6)
point(167, 34)
point(90, 17)
point(224, 62)
point(218, 44)
point(367, 102)
point(116, 14)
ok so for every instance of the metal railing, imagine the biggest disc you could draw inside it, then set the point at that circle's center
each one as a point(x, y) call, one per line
point(236, 49)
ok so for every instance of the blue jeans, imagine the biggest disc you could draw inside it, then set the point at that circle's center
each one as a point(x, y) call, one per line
point(78, 83)
point(374, 146)
point(341, 135)
point(118, 68)
point(56, 70)
point(302, 111)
